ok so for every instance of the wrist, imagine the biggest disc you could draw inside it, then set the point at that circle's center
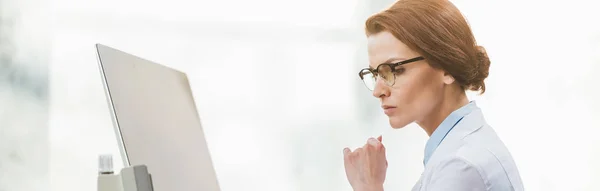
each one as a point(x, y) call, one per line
point(378, 188)
point(371, 188)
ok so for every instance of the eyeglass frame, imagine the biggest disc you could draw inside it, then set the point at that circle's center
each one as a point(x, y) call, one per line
point(393, 67)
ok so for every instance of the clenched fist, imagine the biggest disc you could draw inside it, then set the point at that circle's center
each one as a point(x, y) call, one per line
point(366, 166)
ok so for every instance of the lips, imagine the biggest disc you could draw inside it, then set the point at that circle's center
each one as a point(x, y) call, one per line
point(387, 107)
point(388, 110)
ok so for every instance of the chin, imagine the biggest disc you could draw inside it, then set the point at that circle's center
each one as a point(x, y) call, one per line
point(398, 122)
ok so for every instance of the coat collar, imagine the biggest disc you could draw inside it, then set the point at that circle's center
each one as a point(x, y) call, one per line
point(451, 122)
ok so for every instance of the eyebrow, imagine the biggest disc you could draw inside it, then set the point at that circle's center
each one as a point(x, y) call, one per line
point(389, 61)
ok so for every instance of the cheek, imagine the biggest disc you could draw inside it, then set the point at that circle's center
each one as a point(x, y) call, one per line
point(410, 89)
point(417, 94)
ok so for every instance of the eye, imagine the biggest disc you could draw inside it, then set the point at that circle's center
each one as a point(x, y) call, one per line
point(399, 70)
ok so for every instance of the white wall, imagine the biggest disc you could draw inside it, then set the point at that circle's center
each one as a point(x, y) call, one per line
point(278, 92)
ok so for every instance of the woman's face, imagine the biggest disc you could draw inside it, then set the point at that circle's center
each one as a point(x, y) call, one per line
point(418, 87)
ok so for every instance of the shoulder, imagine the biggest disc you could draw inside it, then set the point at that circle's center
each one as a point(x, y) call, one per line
point(484, 150)
point(481, 148)
point(479, 159)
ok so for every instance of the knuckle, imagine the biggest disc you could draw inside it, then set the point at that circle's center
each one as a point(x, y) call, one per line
point(358, 151)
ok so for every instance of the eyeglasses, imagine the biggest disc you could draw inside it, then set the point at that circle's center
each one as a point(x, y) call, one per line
point(387, 72)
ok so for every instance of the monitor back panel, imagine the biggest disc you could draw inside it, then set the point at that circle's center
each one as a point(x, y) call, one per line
point(156, 121)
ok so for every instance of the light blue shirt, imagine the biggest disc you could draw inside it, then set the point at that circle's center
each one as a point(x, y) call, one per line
point(445, 127)
point(465, 153)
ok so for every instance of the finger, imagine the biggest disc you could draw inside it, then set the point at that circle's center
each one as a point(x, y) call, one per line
point(373, 142)
point(358, 151)
point(347, 162)
point(346, 151)
point(380, 138)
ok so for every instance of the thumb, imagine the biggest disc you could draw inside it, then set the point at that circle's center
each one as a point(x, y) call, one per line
point(380, 138)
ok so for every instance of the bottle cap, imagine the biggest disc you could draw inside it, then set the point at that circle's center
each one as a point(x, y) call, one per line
point(105, 164)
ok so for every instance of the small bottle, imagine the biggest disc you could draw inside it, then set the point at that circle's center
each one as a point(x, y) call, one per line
point(105, 164)
point(107, 179)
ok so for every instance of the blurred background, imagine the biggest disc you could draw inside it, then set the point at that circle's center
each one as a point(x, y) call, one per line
point(277, 88)
point(25, 56)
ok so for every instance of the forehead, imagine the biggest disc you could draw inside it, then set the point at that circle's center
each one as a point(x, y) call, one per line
point(384, 47)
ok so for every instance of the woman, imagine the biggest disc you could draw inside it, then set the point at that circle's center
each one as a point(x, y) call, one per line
point(423, 57)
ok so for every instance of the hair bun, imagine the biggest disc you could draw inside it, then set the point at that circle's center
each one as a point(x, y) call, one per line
point(482, 65)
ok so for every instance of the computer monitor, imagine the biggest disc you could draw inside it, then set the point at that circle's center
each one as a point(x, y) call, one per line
point(156, 121)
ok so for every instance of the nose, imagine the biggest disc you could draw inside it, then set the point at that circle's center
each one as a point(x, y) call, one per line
point(381, 89)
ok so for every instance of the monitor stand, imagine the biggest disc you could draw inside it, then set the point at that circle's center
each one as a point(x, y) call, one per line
point(132, 178)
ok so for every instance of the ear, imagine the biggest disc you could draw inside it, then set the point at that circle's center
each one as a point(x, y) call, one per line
point(448, 79)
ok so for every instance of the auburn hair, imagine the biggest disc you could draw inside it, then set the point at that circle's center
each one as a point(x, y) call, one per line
point(438, 31)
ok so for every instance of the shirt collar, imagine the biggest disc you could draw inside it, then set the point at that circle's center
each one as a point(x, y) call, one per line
point(445, 127)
